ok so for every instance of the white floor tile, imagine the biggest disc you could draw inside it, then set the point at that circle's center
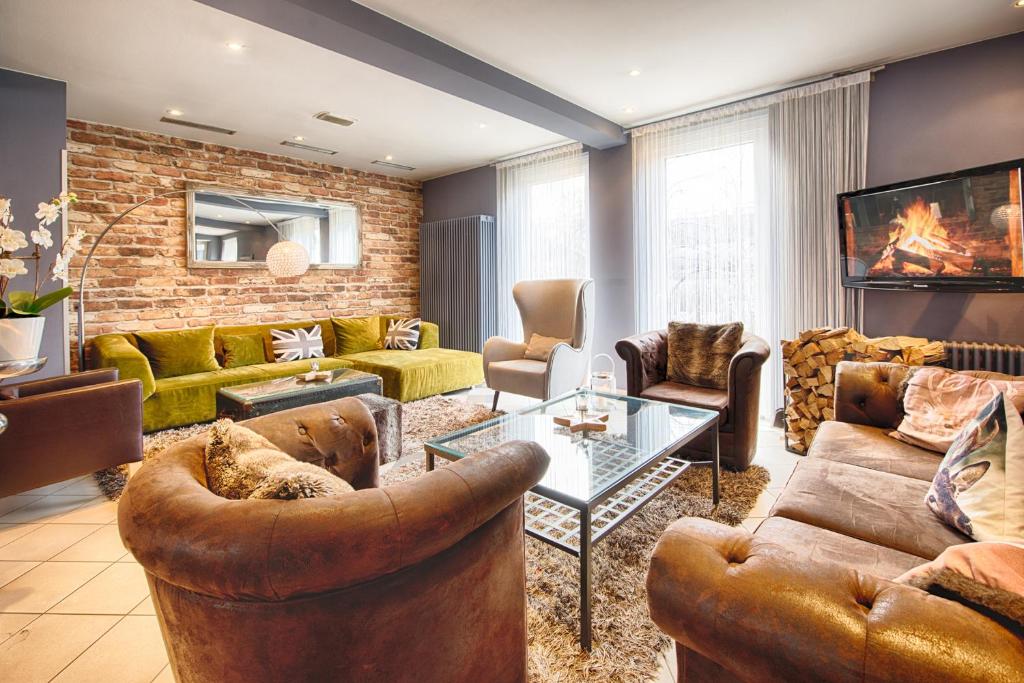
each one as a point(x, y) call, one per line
point(46, 541)
point(11, 503)
point(39, 651)
point(53, 488)
point(42, 587)
point(9, 571)
point(764, 504)
point(165, 676)
point(102, 545)
point(45, 509)
point(138, 638)
point(98, 510)
point(12, 623)
point(86, 486)
point(145, 607)
point(116, 590)
point(10, 532)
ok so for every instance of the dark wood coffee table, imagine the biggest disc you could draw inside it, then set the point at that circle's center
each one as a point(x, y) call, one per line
point(242, 401)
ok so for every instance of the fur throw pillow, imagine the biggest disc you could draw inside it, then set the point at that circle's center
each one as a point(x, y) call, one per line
point(242, 464)
point(700, 354)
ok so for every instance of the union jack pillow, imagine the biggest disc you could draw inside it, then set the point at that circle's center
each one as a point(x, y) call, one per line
point(298, 344)
point(403, 334)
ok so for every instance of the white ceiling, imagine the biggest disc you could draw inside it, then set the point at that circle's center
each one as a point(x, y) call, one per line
point(693, 52)
point(127, 61)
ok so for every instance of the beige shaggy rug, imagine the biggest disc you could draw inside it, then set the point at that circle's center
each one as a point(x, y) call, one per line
point(627, 645)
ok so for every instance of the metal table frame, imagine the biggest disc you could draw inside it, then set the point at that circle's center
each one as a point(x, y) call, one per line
point(576, 526)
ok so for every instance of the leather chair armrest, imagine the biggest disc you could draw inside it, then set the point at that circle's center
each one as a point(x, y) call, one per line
point(745, 384)
point(114, 351)
point(497, 349)
point(646, 357)
point(430, 335)
point(870, 393)
point(340, 434)
point(749, 606)
point(51, 384)
point(63, 434)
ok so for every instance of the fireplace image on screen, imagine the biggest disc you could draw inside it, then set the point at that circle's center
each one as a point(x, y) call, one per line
point(965, 228)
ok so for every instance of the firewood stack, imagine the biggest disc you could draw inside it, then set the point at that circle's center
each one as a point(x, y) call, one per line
point(809, 363)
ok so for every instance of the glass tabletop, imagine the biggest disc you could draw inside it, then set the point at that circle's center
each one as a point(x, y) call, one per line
point(586, 466)
point(291, 385)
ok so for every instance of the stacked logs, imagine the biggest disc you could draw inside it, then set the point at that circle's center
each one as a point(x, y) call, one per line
point(809, 363)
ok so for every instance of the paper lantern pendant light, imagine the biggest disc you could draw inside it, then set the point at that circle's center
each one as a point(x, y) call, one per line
point(287, 259)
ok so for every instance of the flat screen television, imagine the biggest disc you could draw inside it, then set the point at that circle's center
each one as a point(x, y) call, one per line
point(961, 231)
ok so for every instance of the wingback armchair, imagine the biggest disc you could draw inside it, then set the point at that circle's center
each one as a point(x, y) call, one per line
point(563, 309)
point(419, 581)
point(646, 357)
point(64, 427)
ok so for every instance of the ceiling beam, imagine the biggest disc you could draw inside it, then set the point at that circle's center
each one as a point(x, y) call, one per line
point(350, 29)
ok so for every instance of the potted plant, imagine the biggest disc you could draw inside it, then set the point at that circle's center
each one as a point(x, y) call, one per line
point(21, 321)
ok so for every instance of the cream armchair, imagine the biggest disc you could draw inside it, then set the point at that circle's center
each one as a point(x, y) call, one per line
point(551, 308)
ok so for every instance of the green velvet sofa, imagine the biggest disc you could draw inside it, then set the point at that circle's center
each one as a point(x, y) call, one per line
point(188, 399)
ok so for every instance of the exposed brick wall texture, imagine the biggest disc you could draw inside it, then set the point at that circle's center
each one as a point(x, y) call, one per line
point(139, 279)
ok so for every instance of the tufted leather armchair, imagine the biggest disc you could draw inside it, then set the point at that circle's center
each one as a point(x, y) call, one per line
point(551, 308)
point(420, 581)
point(646, 357)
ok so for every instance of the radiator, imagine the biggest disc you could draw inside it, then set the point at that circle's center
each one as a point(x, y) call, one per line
point(458, 286)
point(1005, 358)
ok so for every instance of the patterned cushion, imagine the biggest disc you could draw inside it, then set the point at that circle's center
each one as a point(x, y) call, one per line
point(939, 403)
point(297, 344)
point(403, 334)
point(979, 488)
point(700, 354)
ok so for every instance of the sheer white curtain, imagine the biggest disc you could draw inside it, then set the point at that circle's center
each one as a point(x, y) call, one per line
point(343, 235)
point(543, 223)
point(734, 214)
point(306, 231)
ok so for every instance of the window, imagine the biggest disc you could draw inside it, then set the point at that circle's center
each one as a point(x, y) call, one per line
point(229, 249)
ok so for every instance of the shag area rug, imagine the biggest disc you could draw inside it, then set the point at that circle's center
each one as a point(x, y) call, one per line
point(627, 644)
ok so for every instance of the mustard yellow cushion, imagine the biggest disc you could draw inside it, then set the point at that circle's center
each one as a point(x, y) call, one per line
point(540, 347)
point(242, 349)
point(356, 335)
point(173, 353)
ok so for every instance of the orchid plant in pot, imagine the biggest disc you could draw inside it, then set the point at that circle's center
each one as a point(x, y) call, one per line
point(21, 321)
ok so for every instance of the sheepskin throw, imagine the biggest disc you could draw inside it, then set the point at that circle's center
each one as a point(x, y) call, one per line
point(700, 354)
point(242, 464)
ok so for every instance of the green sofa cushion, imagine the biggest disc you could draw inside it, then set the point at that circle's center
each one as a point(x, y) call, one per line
point(326, 332)
point(412, 375)
point(118, 351)
point(356, 335)
point(173, 353)
point(193, 398)
point(242, 349)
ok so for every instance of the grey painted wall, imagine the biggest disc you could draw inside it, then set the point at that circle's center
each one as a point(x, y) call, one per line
point(943, 112)
point(470, 193)
point(33, 116)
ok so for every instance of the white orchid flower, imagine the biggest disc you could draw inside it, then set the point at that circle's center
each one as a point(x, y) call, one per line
point(5, 208)
point(42, 237)
point(60, 267)
point(12, 240)
point(48, 213)
point(65, 197)
point(9, 267)
point(74, 242)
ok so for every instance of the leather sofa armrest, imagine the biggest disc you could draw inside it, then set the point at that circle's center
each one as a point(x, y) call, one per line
point(646, 357)
point(749, 606)
point(114, 351)
point(497, 349)
point(870, 393)
point(64, 382)
point(430, 335)
point(745, 383)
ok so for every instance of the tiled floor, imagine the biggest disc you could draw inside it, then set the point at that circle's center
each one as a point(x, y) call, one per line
point(74, 605)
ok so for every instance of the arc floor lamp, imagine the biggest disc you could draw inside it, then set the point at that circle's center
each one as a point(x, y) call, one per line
point(284, 259)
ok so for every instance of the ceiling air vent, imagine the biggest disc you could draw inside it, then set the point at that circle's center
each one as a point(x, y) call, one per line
point(308, 148)
point(394, 165)
point(334, 118)
point(200, 126)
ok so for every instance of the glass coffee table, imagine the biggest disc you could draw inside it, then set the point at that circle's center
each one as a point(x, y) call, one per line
point(597, 479)
point(242, 401)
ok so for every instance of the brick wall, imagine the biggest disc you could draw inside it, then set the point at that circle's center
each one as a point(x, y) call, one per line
point(139, 278)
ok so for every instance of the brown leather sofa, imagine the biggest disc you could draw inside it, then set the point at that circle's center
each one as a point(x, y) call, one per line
point(65, 427)
point(810, 596)
point(421, 581)
point(646, 357)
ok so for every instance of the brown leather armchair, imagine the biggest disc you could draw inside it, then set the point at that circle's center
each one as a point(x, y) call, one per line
point(64, 427)
point(421, 581)
point(646, 357)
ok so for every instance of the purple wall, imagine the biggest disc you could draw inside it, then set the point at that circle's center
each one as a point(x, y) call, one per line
point(470, 193)
point(944, 112)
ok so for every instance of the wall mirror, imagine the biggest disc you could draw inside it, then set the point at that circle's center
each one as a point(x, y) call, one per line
point(228, 228)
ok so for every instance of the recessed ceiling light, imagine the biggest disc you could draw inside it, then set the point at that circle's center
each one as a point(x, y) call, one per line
point(298, 138)
point(220, 215)
point(237, 47)
point(174, 112)
point(388, 157)
point(483, 125)
point(1019, 3)
point(628, 110)
point(248, 222)
point(634, 72)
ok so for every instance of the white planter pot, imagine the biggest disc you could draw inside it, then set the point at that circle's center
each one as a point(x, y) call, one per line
point(20, 337)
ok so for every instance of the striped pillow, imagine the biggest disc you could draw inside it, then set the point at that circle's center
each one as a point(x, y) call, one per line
point(297, 344)
point(403, 334)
